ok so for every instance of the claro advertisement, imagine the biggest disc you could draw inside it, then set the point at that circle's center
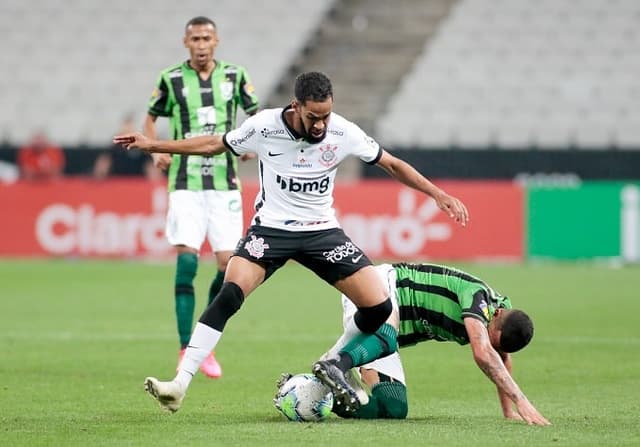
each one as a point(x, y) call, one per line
point(125, 218)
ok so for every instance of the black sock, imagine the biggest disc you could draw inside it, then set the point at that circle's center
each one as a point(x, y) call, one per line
point(344, 361)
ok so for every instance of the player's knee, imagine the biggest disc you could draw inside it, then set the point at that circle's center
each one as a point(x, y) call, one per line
point(369, 319)
point(392, 400)
point(227, 302)
point(187, 266)
point(388, 335)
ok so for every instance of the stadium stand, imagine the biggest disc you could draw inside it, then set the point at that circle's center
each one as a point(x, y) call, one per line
point(366, 47)
point(517, 74)
point(472, 74)
point(74, 68)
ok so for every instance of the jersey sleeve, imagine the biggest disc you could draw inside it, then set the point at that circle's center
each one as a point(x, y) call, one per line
point(248, 98)
point(475, 304)
point(363, 146)
point(243, 139)
point(159, 102)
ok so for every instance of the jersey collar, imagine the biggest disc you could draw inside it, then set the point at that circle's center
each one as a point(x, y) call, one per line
point(294, 134)
point(216, 65)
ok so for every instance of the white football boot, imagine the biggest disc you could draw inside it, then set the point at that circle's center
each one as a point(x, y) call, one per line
point(362, 389)
point(168, 394)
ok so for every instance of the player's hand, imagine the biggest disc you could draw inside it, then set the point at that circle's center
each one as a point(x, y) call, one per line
point(529, 414)
point(132, 141)
point(453, 207)
point(161, 161)
point(513, 415)
point(248, 156)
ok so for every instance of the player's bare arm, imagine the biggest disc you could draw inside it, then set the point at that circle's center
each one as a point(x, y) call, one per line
point(161, 161)
point(507, 406)
point(203, 145)
point(407, 174)
point(489, 361)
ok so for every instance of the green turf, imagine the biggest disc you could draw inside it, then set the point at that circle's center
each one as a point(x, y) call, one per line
point(77, 339)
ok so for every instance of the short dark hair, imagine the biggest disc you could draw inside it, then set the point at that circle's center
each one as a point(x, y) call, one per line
point(517, 330)
point(200, 20)
point(313, 86)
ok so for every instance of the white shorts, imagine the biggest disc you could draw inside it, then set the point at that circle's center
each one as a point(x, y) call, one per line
point(194, 215)
point(390, 365)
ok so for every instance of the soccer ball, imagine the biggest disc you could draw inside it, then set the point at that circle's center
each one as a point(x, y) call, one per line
point(303, 398)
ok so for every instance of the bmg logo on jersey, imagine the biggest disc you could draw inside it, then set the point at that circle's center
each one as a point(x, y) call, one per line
point(293, 185)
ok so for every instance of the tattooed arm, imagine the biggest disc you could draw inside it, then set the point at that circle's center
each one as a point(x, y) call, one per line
point(505, 402)
point(493, 366)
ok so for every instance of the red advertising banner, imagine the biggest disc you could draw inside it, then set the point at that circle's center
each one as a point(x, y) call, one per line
point(119, 218)
point(390, 221)
point(80, 217)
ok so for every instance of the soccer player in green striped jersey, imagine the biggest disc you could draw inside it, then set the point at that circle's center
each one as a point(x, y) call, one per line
point(200, 97)
point(435, 302)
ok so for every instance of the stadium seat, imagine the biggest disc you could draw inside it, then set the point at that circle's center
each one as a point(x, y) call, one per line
point(571, 61)
point(103, 58)
point(627, 135)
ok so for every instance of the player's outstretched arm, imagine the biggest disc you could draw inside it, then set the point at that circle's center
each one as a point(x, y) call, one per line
point(489, 361)
point(203, 145)
point(161, 161)
point(507, 406)
point(407, 174)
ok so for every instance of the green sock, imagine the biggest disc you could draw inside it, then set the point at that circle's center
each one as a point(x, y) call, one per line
point(186, 268)
point(365, 348)
point(216, 284)
point(388, 400)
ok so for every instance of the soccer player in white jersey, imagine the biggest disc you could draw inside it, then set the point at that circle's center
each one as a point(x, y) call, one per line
point(299, 148)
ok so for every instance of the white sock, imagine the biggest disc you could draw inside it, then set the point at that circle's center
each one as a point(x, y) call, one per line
point(350, 331)
point(203, 340)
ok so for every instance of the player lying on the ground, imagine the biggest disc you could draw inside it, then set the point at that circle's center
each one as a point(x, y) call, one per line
point(434, 302)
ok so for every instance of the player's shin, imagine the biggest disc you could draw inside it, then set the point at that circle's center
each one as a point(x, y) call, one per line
point(350, 331)
point(202, 342)
point(209, 329)
point(365, 348)
point(216, 285)
point(186, 268)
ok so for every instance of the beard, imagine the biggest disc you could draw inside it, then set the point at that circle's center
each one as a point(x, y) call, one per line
point(309, 138)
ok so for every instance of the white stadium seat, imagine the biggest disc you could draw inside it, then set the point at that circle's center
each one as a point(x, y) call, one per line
point(102, 58)
point(569, 61)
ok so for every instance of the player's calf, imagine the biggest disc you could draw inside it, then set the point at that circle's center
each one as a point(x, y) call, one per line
point(365, 348)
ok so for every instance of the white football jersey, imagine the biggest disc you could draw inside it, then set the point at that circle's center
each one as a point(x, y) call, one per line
point(297, 177)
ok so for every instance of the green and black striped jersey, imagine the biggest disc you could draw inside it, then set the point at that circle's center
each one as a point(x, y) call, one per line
point(434, 299)
point(202, 107)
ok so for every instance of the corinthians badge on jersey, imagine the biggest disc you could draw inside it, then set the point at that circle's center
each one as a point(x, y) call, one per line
point(328, 155)
point(226, 90)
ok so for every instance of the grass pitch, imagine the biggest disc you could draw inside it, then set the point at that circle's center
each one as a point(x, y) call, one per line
point(77, 339)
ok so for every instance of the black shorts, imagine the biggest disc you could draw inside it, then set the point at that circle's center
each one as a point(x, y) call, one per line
point(330, 254)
